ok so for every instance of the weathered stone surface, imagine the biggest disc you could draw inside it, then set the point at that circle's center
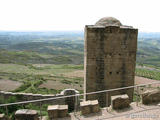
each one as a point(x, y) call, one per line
point(63, 111)
point(107, 21)
point(95, 106)
point(89, 106)
point(57, 111)
point(120, 101)
point(53, 111)
point(26, 114)
point(85, 107)
point(2, 117)
point(150, 96)
point(71, 101)
point(110, 57)
point(30, 96)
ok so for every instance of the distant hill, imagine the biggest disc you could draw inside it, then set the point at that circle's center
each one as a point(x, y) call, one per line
point(149, 35)
point(64, 47)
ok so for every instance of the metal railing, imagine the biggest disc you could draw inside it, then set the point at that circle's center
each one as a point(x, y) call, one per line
point(76, 95)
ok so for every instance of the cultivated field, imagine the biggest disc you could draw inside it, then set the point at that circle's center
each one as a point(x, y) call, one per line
point(9, 85)
point(51, 79)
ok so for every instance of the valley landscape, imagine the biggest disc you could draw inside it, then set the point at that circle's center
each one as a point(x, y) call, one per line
point(48, 62)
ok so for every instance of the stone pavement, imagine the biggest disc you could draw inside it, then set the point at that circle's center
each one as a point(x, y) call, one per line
point(140, 112)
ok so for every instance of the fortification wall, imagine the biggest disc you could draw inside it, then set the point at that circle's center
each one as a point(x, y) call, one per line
point(29, 96)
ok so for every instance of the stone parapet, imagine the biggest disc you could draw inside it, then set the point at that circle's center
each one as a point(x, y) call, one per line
point(29, 96)
point(57, 111)
point(150, 96)
point(120, 101)
point(89, 106)
point(26, 114)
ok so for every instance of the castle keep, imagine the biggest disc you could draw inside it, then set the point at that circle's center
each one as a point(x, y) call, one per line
point(110, 58)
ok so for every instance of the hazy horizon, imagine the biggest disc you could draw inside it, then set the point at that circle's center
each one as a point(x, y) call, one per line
point(23, 30)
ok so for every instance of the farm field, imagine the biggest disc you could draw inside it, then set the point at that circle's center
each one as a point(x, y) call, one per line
point(48, 62)
point(40, 78)
point(51, 79)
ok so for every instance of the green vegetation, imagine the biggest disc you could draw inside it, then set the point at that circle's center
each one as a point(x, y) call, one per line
point(32, 76)
point(149, 52)
point(34, 58)
point(148, 73)
point(23, 57)
point(12, 109)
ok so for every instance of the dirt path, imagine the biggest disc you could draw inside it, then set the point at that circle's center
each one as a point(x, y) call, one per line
point(142, 80)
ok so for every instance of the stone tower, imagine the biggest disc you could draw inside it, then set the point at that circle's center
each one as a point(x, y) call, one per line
point(110, 58)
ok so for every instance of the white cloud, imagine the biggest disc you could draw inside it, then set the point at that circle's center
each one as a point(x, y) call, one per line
point(75, 14)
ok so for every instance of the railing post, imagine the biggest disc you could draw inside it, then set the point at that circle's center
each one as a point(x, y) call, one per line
point(7, 111)
point(107, 100)
point(23, 106)
point(40, 105)
point(75, 105)
point(137, 96)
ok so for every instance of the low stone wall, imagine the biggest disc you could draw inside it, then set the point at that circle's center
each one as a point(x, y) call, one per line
point(30, 96)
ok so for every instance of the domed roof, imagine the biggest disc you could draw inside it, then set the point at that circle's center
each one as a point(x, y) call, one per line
point(108, 21)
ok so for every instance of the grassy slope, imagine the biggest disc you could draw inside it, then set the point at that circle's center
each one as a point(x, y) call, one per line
point(149, 52)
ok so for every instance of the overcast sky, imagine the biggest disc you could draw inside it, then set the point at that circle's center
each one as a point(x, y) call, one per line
point(75, 14)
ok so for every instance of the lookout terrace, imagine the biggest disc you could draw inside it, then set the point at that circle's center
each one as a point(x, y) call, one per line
point(110, 92)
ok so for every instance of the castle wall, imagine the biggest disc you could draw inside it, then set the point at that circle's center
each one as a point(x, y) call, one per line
point(29, 96)
point(110, 55)
point(70, 101)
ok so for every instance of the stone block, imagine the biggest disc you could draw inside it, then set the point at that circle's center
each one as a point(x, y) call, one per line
point(26, 114)
point(53, 111)
point(2, 117)
point(89, 106)
point(63, 111)
point(95, 106)
point(85, 107)
point(57, 111)
point(120, 101)
point(150, 96)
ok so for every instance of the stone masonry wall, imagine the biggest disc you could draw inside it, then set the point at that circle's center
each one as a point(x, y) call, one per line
point(30, 96)
point(110, 55)
point(70, 101)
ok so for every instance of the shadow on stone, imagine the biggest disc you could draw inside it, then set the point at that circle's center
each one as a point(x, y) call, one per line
point(124, 109)
point(93, 114)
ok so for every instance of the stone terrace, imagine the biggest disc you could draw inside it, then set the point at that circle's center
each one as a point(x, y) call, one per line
point(140, 112)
